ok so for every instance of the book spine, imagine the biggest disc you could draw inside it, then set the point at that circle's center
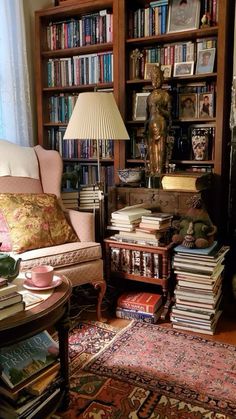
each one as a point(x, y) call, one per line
point(147, 308)
point(132, 314)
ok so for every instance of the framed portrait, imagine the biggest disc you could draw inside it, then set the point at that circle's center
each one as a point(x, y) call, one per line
point(183, 69)
point(205, 61)
point(188, 105)
point(183, 15)
point(202, 141)
point(148, 70)
point(140, 106)
point(205, 105)
point(167, 70)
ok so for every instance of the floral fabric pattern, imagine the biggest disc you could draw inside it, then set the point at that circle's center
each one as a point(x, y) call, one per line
point(35, 221)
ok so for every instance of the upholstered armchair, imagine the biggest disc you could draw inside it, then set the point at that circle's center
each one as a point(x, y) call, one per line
point(34, 170)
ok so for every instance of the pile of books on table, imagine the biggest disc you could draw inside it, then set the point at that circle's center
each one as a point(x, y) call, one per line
point(90, 197)
point(143, 306)
point(139, 225)
point(198, 293)
point(29, 377)
point(70, 199)
point(11, 301)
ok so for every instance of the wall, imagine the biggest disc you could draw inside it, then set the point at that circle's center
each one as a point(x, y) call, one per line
point(29, 8)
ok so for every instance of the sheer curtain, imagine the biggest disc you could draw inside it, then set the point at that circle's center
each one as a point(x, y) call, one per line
point(15, 105)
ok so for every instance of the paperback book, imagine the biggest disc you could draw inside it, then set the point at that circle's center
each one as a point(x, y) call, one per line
point(22, 360)
point(143, 301)
point(123, 313)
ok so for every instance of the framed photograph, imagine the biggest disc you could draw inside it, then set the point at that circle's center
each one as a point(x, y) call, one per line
point(205, 61)
point(202, 141)
point(167, 70)
point(140, 106)
point(205, 105)
point(183, 15)
point(188, 105)
point(148, 70)
point(183, 69)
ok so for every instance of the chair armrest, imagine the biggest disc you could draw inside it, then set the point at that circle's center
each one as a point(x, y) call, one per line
point(83, 223)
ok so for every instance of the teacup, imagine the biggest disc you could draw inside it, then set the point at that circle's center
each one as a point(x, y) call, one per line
point(41, 276)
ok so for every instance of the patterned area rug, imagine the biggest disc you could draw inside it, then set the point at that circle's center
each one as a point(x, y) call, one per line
point(147, 371)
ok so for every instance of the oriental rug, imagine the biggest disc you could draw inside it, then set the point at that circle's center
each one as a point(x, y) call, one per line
point(148, 371)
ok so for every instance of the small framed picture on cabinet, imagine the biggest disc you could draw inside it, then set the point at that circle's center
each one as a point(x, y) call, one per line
point(183, 69)
point(205, 105)
point(148, 70)
point(205, 61)
point(140, 106)
point(167, 71)
point(184, 15)
point(188, 106)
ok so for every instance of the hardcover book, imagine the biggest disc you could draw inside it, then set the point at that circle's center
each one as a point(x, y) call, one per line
point(9, 299)
point(143, 301)
point(11, 310)
point(183, 181)
point(123, 313)
point(22, 360)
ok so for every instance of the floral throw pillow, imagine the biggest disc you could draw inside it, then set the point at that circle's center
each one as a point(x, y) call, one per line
point(34, 221)
point(5, 239)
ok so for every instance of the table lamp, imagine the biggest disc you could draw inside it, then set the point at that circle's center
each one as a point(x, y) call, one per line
point(96, 117)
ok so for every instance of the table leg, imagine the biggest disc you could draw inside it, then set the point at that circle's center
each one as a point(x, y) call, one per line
point(63, 327)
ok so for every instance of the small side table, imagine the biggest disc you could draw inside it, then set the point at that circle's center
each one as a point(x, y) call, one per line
point(53, 312)
point(159, 277)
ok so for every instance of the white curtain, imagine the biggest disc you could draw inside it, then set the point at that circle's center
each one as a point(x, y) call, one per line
point(15, 107)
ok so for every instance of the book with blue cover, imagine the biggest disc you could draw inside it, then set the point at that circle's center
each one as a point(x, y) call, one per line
point(22, 360)
point(198, 252)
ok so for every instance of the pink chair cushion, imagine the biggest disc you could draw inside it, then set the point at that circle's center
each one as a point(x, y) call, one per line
point(5, 238)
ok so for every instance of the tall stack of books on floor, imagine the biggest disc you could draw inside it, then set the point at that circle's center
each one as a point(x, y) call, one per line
point(198, 292)
point(29, 378)
point(143, 306)
point(11, 301)
point(90, 197)
point(139, 225)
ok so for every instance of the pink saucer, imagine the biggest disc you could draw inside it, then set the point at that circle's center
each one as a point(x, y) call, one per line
point(57, 280)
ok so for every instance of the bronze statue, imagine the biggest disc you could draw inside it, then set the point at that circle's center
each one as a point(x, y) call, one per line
point(158, 121)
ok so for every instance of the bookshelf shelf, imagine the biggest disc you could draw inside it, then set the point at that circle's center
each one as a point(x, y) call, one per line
point(77, 88)
point(68, 52)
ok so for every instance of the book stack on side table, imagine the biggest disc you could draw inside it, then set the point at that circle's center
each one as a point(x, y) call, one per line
point(143, 306)
point(11, 302)
point(90, 197)
point(198, 293)
point(29, 376)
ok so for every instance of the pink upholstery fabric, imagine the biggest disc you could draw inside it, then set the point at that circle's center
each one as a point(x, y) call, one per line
point(5, 239)
point(14, 184)
point(51, 169)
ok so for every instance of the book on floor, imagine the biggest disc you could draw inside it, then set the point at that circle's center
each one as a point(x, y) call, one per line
point(22, 360)
point(143, 301)
point(182, 181)
point(129, 314)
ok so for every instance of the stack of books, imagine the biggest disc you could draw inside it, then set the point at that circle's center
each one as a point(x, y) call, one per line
point(29, 376)
point(90, 197)
point(199, 274)
point(70, 199)
point(143, 306)
point(140, 226)
point(11, 302)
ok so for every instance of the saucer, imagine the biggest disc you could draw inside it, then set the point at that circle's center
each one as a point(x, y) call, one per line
point(57, 280)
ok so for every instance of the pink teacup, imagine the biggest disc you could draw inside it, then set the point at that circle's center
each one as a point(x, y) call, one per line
point(41, 276)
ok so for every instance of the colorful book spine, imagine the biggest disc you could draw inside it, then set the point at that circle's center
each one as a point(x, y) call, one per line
point(129, 314)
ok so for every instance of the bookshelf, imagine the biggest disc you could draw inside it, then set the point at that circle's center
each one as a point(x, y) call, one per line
point(125, 40)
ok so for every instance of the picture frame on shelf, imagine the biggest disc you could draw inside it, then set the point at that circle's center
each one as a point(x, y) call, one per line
point(205, 105)
point(140, 106)
point(202, 141)
point(188, 105)
point(183, 15)
point(148, 70)
point(183, 69)
point(205, 61)
point(167, 71)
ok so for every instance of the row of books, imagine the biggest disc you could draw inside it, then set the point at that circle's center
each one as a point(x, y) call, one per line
point(61, 107)
point(143, 306)
point(90, 29)
point(90, 197)
point(136, 262)
point(11, 301)
point(153, 19)
point(70, 199)
point(80, 70)
point(29, 376)
point(82, 149)
point(198, 293)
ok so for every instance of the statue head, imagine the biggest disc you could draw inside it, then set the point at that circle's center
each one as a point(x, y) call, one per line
point(157, 76)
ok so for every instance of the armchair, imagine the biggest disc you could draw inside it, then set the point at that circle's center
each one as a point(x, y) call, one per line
point(36, 170)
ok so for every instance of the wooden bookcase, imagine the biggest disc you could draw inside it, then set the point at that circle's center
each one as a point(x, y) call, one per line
point(124, 86)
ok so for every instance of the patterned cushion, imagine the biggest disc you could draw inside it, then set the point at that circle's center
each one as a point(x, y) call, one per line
point(35, 221)
point(5, 239)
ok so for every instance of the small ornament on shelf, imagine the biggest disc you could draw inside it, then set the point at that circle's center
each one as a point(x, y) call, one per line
point(135, 67)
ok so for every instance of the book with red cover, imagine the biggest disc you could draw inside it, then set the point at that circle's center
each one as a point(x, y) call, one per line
point(143, 301)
